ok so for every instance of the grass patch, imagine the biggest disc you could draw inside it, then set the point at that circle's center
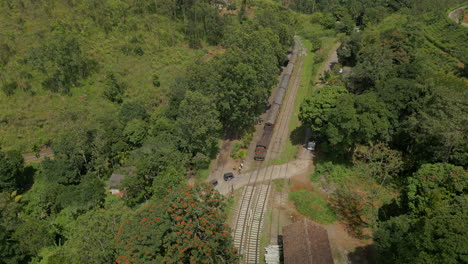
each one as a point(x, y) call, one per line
point(202, 174)
point(229, 209)
point(280, 184)
point(332, 171)
point(313, 207)
point(231, 204)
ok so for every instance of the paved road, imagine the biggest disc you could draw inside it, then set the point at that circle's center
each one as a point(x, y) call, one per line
point(288, 170)
point(454, 15)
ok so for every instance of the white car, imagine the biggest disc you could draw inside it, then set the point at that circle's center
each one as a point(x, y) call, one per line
point(311, 145)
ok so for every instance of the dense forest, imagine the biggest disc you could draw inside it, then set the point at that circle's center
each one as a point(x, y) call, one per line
point(148, 88)
point(393, 131)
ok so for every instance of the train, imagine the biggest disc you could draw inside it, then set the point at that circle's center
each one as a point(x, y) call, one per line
point(262, 145)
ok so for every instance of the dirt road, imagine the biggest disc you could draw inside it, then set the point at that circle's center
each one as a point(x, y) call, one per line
point(332, 59)
point(454, 15)
point(33, 157)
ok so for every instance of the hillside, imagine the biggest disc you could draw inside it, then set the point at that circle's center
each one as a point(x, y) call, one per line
point(131, 99)
point(58, 59)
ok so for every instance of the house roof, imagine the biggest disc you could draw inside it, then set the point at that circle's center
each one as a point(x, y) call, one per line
point(115, 180)
point(305, 242)
point(119, 175)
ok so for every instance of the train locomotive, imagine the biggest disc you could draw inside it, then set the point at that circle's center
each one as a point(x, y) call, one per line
point(262, 145)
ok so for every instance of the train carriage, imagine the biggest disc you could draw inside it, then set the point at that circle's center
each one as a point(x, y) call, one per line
point(262, 145)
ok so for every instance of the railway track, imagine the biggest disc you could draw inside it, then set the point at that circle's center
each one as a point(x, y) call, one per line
point(287, 108)
point(254, 202)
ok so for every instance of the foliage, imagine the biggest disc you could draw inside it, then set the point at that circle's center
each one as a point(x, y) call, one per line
point(132, 110)
point(10, 251)
point(198, 124)
point(245, 75)
point(33, 235)
point(313, 206)
point(432, 226)
point(91, 237)
point(135, 132)
point(332, 168)
point(62, 61)
point(437, 238)
point(158, 157)
point(358, 119)
point(437, 128)
point(187, 227)
point(433, 184)
point(167, 180)
point(73, 152)
point(280, 184)
point(11, 171)
point(378, 162)
point(358, 200)
point(239, 151)
point(315, 110)
point(98, 81)
point(114, 89)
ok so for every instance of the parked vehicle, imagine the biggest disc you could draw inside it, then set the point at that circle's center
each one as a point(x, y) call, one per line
point(311, 145)
point(213, 182)
point(228, 176)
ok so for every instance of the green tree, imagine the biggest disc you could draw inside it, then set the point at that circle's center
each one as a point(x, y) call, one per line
point(188, 227)
point(11, 171)
point(314, 110)
point(167, 180)
point(358, 119)
point(158, 156)
point(63, 62)
point(115, 89)
point(437, 130)
point(10, 251)
point(33, 234)
point(198, 124)
point(378, 162)
point(358, 199)
point(440, 237)
point(10, 209)
point(433, 184)
point(72, 154)
point(91, 238)
point(281, 20)
point(132, 110)
point(82, 197)
point(135, 132)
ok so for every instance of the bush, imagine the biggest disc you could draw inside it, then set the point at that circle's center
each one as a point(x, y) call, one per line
point(236, 150)
point(334, 173)
point(9, 88)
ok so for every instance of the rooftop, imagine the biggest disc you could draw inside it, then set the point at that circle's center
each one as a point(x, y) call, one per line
point(305, 242)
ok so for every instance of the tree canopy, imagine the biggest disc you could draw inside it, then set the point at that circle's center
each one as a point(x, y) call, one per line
point(188, 226)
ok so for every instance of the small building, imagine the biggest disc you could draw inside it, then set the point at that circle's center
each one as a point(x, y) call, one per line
point(305, 242)
point(114, 184)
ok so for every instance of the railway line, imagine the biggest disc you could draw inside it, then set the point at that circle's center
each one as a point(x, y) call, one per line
point(254, 201)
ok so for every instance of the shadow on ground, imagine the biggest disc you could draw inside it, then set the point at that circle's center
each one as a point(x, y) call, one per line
point(362, 255)
point(297, 136)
